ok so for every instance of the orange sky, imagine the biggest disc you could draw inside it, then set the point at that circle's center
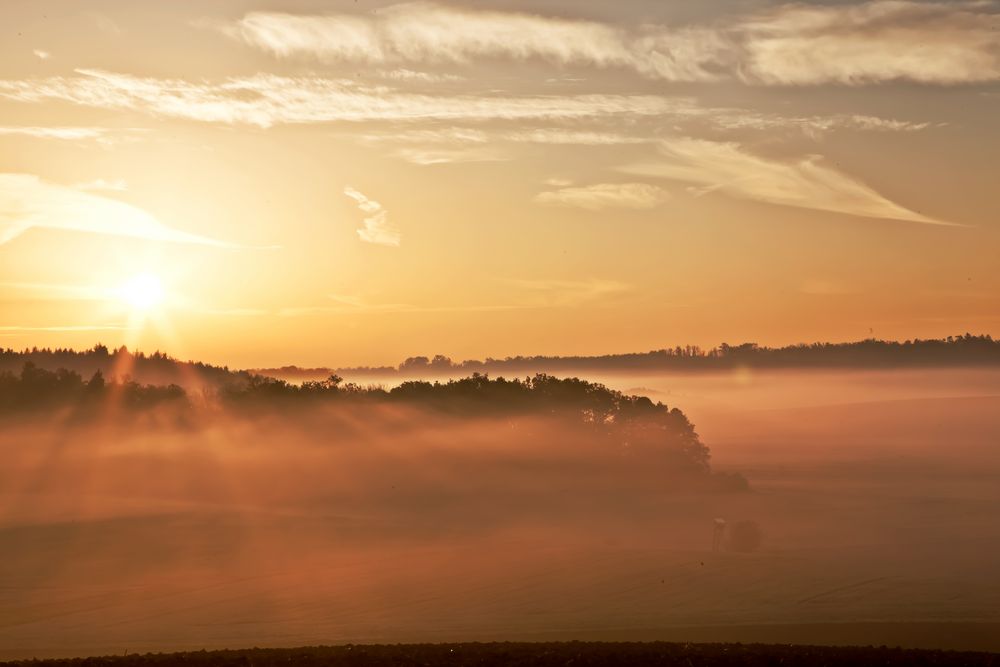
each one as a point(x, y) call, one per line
point(357, 182)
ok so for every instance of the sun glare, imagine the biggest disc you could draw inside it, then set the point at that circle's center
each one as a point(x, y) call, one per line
point(142, 292)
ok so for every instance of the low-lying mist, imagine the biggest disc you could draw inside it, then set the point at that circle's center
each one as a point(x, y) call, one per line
point(272, 515)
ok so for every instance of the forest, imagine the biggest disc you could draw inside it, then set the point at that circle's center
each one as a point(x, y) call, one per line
point(953, 351)
point(586, 411)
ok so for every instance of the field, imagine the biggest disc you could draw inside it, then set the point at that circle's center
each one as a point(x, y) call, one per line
point(583, 654)
point(875, 493)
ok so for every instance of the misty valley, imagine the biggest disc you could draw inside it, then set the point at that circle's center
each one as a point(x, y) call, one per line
point(807, 506)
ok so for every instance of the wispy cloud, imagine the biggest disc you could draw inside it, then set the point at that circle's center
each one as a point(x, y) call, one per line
point(464, 144)
point(573, 137)
point(528, 295)
point(68, 133)
point(42, 55)
point(814, 126)
point(871, 42)
point(728, 168)
point(53, 292)
point(101, 135)
point(606, 195)
point(546, 293)
point(376, 227)
point(116, 185)
point(266, 100)
point(27, 202)
point(429, 32)
point(353, 305)
point(437, 155)
point(403, 74)
point(356, 305)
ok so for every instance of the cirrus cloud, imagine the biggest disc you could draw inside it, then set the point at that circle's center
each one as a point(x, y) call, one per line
point(606, 195)
point(729, 168)
point(27, 202)
point(265, 100)
point(429, 32)
point(791, 44)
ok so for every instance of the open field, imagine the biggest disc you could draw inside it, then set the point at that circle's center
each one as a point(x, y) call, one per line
point(544, 654)
point(877, 505)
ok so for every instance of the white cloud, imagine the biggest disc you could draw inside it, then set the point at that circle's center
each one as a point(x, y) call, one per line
point(266, 100)
point(403, 74)
point(376, 227)
point(101, 135)
point(67, 133)
point(42, 55)
point(434, 155)
point(869, 42)
point(448, 135)
point(27, 202)
point(429, 32)
point(116, 185)
point(734, 119)
point(872, 42)
point(573, 137)
point(729, 168)
point(606, 195)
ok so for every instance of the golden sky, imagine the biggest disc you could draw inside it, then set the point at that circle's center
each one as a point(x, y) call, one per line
point(341, 182)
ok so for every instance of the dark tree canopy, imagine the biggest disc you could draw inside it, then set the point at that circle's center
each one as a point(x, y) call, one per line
point(585, 411)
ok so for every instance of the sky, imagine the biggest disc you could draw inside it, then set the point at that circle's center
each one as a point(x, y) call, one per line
point(354, 182)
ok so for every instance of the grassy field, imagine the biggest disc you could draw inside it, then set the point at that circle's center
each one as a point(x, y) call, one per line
point(577, 654)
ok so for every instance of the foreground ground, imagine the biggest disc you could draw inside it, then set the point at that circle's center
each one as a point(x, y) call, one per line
point(578, 654)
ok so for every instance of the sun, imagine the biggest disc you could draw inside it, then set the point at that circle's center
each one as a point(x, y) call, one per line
point(142, 291)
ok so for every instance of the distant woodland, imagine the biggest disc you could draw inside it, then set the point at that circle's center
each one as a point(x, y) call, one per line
point(161, 369)
point(581, 411)
point(964, 350)
point(155, 368)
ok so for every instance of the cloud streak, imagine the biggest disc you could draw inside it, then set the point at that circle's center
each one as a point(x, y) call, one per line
point(429, 32)
point(728, 168)
point(27, 202)
point(791, 44)
point(606, 195)
point(265, 100)
point(546, 293)
point(874, 42)
point(376, 228)
point(65, 133)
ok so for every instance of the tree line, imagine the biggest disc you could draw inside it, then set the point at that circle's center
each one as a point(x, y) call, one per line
point(584, 410)
point(963, 350)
